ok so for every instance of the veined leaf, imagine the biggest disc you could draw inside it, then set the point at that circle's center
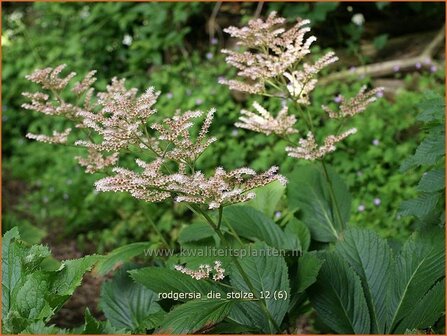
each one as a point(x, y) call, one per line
point(68, 277)
point(267, 274)
point(420, 206)
point(309, 191)
point(267, 198)
point(427, 311)
point(127, 304)
point(338, 297)
point(94, 327)
point(296, 229)
point(253, 224)
point(308, 267)
point(371, 258)
point(419, 266)
point(121, 254)
point(195, 232)
point(433, 180)
point(195, 315)
point(432, 108)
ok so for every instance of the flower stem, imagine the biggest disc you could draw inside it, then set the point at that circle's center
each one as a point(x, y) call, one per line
point(216, 228)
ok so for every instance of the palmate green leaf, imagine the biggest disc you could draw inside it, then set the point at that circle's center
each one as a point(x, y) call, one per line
point(267, 198)
point(127, 304)
point(338, 297)
point(122, 254)
point(308, 191)
point(267, 274)
point(433, 180)
point(162, 280)
point(419, 266)
point(195, 315)
point(371, 258)
point(253, 224)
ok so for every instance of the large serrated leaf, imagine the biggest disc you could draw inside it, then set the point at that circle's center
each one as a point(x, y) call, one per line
point(267, 198)
point(121, 254)
point(427, 311)
point(432, 108)
point(95, 327)
point(419, 266)
point(268, 274)
point(127, 304)
point(429, 151)
point(308, 267)
point(297, 230)
point(433, 180)
point(68, 277)
point(195, 232)
point(371, 258)
point(420, 207)
point(309, 191)
point(338, 297)
point(195, 315)
point(162, 280)
point(253, 224)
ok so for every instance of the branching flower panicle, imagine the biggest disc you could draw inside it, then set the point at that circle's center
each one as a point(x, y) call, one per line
point(119, 120)
point(56, 138)
point(308, 148)
point(272, 62)
point(264, 122)
point(351, 107)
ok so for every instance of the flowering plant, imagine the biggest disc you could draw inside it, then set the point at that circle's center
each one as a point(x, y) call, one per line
point(263, 272)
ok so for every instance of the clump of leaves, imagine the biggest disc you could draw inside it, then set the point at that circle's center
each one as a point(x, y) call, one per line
point(429, 205)
point(366, 287)
point(33, 290)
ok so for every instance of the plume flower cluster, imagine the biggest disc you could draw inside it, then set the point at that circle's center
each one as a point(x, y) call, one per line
point(223, 188)
point(272, 61)
point(204, 271)
point(308, 148)
point(264, 122)
point(359, 103)
point(119, 120)
point(268, 50)
point(56, 138)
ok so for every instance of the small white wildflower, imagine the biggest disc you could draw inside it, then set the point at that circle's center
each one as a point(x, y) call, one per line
point(376, 142)
point(377, 201)
point(361, 208)
point(358, 19)
point(127, 40)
